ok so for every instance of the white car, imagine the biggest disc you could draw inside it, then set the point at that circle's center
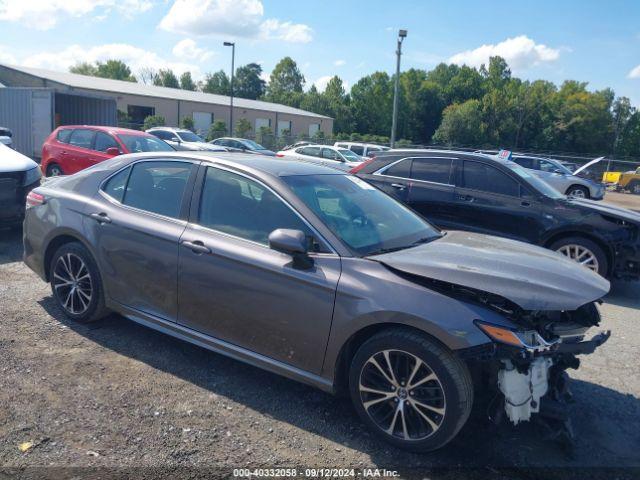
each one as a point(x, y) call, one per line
point(183, 139)
point(18, 176)
point(362, 149)
point(339, 158)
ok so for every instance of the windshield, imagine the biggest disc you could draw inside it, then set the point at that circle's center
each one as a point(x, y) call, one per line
point(363, 217)
point(189, 137)
point(253, 145)
point(140, 143)
point(536, 182)
point(349, 155)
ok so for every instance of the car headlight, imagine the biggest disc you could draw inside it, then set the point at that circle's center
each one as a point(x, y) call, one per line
point(32, 176)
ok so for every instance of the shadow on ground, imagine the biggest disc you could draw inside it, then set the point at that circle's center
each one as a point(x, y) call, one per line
point(10, 245)
point(606, 433)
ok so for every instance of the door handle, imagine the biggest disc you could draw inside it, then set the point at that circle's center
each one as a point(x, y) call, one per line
point(465, 198)
point(197, 247)
point(525, 203)
point(100, 217)
point(399, 186)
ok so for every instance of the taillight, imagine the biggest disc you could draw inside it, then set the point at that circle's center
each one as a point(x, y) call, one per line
point(357, 168)
point(34, 199)
point(280, 155)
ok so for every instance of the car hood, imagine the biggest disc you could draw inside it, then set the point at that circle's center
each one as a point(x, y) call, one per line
point(12, 161)
point(529, 276)
point(607, 209)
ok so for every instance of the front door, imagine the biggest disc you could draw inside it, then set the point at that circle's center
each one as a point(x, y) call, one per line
point(432, 190)
point(135, 223)
point(232, 286)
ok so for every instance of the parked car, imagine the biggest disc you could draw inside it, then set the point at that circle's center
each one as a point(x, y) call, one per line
point(314, 274)
point(6, 137)
point(72, 148)
point(18, 176)
point(362, 149)
point(298, 144)
point(242, 145)
point(183, 139)
point(339, 158)
point(561, 178)
point(481, 193)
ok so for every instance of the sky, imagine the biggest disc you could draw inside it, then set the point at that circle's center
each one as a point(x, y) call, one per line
point(592, 41)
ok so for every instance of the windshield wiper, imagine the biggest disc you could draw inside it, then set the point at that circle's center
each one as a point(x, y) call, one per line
point(420, 241)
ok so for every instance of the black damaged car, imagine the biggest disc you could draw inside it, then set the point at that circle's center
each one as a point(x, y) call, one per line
point(486, 194)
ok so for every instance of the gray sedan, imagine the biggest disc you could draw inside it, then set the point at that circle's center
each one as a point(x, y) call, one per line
point(314, 274)
point(561, 178)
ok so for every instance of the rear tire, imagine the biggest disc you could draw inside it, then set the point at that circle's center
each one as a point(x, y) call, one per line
point(76, 284)
point(578, 191)
point(634, 187)
point(583, 251)
point(425, 393)
point(54, 170)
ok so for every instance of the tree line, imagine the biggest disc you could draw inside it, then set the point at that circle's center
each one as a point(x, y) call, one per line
point(452, 105)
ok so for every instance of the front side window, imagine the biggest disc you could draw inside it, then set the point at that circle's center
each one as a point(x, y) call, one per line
point(349, 155)
point(105, 141)
point(189, 137)
point(330, 154)
point(82, 138)
point(241, 207)
point(525, 162)
point(363, 217)
point(144, 143)
point(482, 177)
point(437, 170)
point(157, 187)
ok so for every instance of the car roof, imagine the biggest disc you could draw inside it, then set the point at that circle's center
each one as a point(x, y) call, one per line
point(107, 129)
point(264, 164)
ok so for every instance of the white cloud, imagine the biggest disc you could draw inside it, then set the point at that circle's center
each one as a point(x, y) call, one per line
point(6, 56)
point(45, 14)
point(339, 63)
point(321, 83)
point(520, 53)
point(635, 73)
point(189, 49)
point(136, 58)
point(231, 18)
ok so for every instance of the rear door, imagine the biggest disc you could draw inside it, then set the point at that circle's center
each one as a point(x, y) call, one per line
point(232, 286)
point(488, 200)
point(136, 222)
point(79, 154)
point(432, 191)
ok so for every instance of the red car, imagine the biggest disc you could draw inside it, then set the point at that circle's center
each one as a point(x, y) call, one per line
point(72, 148)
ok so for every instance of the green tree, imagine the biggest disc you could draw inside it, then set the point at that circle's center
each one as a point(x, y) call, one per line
point(248, 83)
point(243, 126)
point(337, 102)
point(216, 130)
point(84, 68)
point(286, 83)
point(166, 78)
point(313, 101)
point(372, 104)
point(187, 123)
point(153, 121)
point(265, 137)
point(217, 83)
point(114, 69)
point(461, 125)
point(186, 82)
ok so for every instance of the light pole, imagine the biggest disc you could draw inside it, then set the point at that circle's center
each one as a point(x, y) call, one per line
point(401, 36)
point(233, 59)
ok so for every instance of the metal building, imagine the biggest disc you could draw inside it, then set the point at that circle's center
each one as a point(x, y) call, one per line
point(135, 101)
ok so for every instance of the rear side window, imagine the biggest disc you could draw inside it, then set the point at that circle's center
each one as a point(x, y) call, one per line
point(158, 187)
point(525, 162)
point(116, 185)
point(63, 135)
point(82, 138)
point(105, 141)
point(401, 169)
point(436, 170)
point(357, 149)
point(485, 178)
point(342, 145)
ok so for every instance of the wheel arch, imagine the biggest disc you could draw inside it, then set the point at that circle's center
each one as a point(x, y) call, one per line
point(606, 248)
point(582, 187)
point(57, 241)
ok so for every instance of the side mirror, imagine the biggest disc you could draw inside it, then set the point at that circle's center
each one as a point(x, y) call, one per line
point(113, 151)
point(557, 171)
point(291, 242)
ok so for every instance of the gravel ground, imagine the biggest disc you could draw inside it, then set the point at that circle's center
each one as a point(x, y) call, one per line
point(115, 394)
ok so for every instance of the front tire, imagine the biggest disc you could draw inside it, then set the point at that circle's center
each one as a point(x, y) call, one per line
point(584, 252)
point(409, 390)
point(578, 191)
point(76, 283)
point(54, 170)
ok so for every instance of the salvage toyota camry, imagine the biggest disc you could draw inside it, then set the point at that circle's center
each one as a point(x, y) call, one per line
point(314, 274)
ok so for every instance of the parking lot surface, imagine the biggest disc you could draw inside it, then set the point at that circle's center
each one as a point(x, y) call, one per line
point(116, 394)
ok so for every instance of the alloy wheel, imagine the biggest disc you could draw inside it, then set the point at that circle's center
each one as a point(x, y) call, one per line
point(577, 193)
point(54, 171)
point(402, 395)
point(636, 188)
point(582, 255)
point(72, 284)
